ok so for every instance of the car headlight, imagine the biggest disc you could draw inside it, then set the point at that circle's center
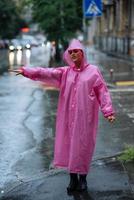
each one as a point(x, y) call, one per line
point(19, 47)
point(28, 46)
point(11, 47)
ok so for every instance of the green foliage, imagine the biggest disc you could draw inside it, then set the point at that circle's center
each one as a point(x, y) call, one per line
point(10, 21)
point(60, 19)
point(128, 154)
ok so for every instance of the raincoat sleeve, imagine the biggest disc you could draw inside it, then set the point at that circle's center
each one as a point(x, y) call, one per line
point(103, 95)
point(49, 76)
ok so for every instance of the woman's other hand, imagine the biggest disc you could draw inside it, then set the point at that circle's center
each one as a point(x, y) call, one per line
point(111, 118)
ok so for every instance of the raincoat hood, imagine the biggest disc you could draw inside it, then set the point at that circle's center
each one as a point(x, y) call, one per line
point(75, 44)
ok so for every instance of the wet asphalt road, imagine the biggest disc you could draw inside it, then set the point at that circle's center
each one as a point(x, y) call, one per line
point(27, 120)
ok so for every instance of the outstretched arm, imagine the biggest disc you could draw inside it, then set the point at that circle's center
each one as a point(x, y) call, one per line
point(50, 76)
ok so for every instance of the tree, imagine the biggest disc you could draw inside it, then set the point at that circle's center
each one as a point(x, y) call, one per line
point(10, 20)
point(59, 19)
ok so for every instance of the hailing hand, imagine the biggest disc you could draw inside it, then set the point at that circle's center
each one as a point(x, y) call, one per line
point(17, 71)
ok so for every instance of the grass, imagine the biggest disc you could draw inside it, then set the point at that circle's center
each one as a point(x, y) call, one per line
point(127, 155)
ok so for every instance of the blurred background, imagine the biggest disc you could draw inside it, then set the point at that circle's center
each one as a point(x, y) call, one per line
point(36, 33)
point(28, 23)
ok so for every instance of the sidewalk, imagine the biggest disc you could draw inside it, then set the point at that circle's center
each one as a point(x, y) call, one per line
point(108, 180)
point(122, 70)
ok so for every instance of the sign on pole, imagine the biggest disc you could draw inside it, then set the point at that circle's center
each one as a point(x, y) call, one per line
point(92, 8)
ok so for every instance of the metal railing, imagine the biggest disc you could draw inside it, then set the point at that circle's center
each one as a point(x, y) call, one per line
point(113, 44)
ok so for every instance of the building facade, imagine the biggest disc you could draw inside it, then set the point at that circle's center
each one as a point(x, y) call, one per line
point(115, 28)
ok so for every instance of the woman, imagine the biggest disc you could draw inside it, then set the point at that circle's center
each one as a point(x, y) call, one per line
point(82, 91)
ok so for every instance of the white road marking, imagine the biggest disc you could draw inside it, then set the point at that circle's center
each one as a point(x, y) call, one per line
point(121, 90)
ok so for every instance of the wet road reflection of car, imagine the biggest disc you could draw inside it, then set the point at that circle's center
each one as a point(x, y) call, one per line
point(19, 58)
point(29, 56)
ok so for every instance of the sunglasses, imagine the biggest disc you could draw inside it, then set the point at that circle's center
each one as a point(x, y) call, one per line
point(73, 51)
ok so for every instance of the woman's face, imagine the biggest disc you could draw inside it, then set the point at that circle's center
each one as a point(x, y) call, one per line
point(76, 55)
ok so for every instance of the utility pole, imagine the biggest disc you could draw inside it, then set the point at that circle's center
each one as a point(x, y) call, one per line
point(84, 25)
point(84, 30)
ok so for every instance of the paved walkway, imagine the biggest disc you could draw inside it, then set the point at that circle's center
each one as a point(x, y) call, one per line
point(114, 69)
point(108, 180)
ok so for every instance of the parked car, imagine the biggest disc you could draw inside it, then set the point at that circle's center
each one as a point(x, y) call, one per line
point(2, 44)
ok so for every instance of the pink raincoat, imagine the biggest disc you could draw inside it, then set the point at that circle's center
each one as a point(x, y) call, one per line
point(81, 93)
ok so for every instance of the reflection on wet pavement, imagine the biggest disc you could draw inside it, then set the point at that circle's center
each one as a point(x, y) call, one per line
point(81, 196)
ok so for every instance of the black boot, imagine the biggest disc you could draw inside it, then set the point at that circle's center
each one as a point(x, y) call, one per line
point(73, 182)
point(82, 183)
